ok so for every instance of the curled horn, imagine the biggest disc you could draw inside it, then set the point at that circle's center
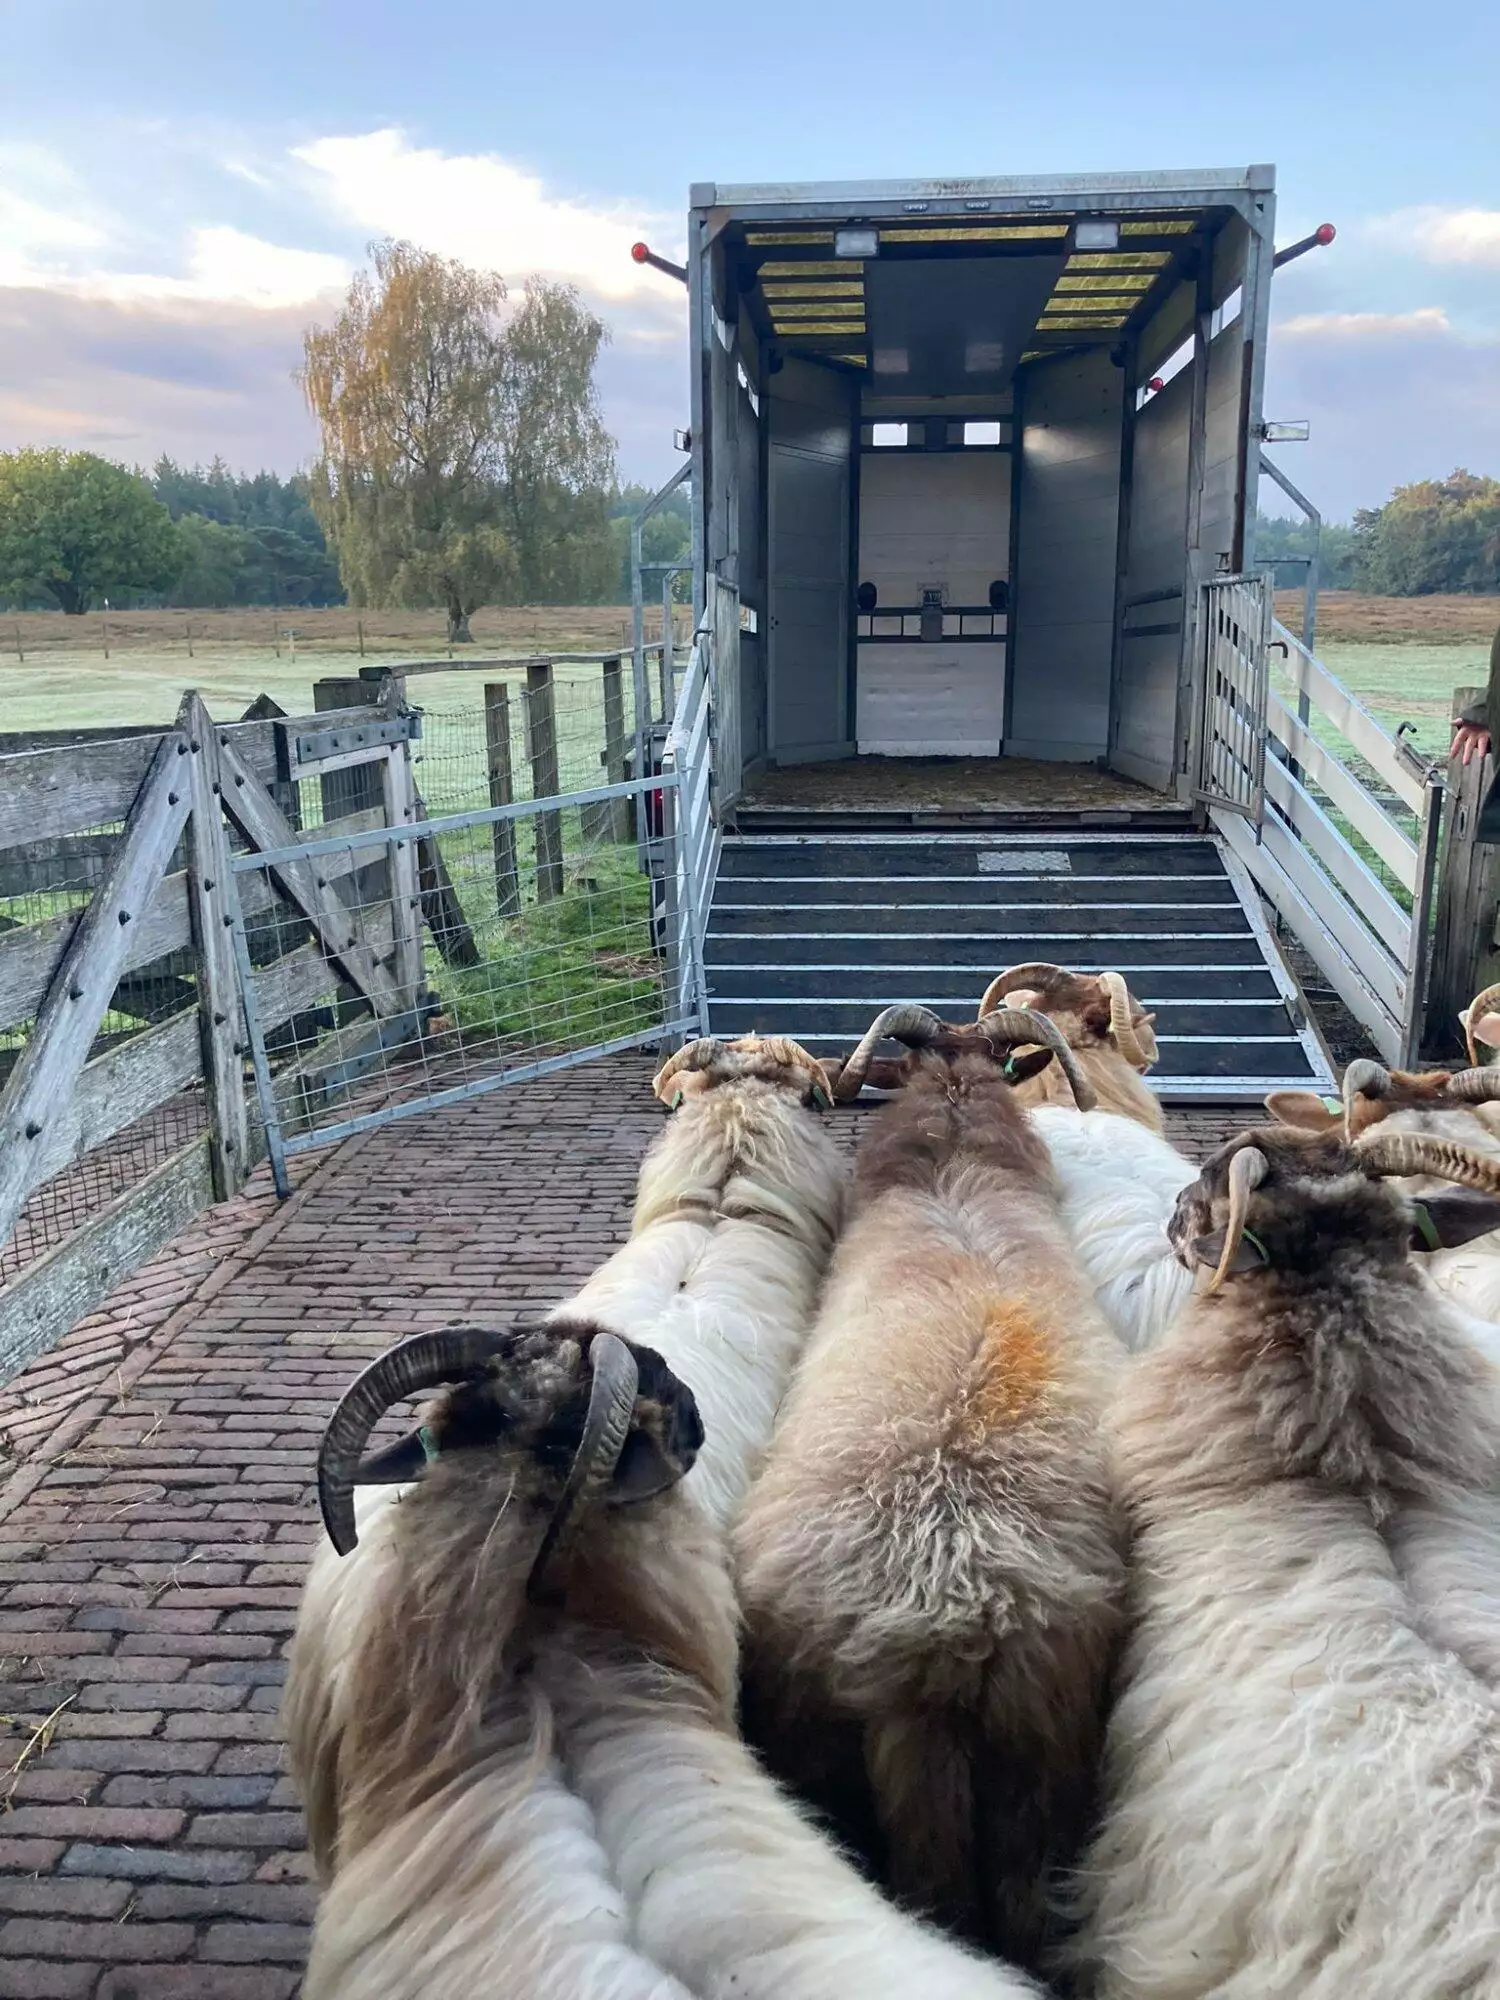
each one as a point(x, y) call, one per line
point(1476, 1010)
point(1247, 1170)
point(1022, 1028)
point(1036, 973)
point(692, 1055)
point(1476, 1086)
point(916, 1026)
point(1385, 1152)
point(1121, 1025)
point(612, 1396)
point(421, 1362)
point(1363, 1079)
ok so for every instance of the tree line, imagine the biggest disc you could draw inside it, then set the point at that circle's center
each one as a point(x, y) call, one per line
point(463, 462)
point(1433, 536)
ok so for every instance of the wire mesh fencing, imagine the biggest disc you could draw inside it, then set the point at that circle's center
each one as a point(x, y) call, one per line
point(45, 885)
point(462, 951)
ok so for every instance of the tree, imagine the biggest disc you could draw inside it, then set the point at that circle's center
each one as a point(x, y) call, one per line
point(557, 457)
point(463, 456)
point(1434, 535)
point(81, 528)
point(405, 388)
point(1281, 541)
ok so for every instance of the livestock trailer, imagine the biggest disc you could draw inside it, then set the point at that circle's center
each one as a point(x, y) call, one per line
point(974, 471)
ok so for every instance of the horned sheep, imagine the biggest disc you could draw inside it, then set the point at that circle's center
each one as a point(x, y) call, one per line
point(1110, 1033)
point(1301, 1768)
point(930, 1562)
point(514, 1732)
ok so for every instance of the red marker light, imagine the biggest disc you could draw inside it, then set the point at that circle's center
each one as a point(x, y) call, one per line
point(1325, 233)
point(1156, 385)
point(640, 251)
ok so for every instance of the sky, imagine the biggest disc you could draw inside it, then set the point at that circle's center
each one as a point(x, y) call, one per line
point(185, 185)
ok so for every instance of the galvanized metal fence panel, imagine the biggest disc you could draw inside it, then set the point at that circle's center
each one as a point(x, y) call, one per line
point(1236, 624)
point(1336, 821)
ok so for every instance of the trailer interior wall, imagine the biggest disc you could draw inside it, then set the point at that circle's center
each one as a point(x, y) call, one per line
point(810, 475)
point(1064, 609)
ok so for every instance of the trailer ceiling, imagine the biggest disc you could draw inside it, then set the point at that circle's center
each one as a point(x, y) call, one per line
point(1014, 292)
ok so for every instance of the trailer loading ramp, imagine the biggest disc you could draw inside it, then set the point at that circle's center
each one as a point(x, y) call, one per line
point(810, 934)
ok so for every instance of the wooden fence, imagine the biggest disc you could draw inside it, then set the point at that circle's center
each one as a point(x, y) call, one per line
point(126, 1103)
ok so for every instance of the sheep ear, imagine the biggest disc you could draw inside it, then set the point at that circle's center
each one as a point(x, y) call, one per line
point(1444, 1221)
point(886, 1073)
point(1210, 1248)
point(1021, 1064)
point(1487, 1030)
point(1302, 1108)
point(665, 1436)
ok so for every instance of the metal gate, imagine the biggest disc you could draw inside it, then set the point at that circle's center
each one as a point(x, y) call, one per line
point(416, 960)
point(1236, 623)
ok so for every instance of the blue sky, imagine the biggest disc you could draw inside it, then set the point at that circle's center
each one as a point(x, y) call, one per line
point(184, 187)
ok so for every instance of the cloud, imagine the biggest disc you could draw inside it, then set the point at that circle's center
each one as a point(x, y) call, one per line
point(134, 379)
point(1406, 398)
point(1443, 235)
point(488, 211)
point(1424, 322)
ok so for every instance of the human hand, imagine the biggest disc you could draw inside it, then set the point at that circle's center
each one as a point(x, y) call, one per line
point(1469, 741)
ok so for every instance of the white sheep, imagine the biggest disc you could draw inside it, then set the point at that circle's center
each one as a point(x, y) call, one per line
point(1119, 1182)
point(466, 1716)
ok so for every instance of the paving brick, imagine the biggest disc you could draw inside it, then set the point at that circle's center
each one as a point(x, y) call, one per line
point(196, 1982)
point(255, 1944)
point(264, 1902)
point(247, 1829)
point(69, 1938)
point(29, 1856)
point(93, 1823)
point(159, 1864)
point(35, 1979)
point(160, 1789)
point(56, 1896)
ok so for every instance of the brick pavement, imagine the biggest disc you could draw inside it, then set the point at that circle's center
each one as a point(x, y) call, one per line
point(152, 1542)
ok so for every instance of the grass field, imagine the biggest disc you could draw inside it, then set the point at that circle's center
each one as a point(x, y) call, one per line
point(1403, 657)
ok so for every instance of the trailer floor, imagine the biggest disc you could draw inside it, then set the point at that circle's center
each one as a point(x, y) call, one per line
point(153, 1535)
point(990, 787)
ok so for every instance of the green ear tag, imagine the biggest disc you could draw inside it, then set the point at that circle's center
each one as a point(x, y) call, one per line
point(428, 1443)
point(1426, 1227)
point(1257, 1246)
point(1334, 1105)
point(821, 1098)
point(675, 1101)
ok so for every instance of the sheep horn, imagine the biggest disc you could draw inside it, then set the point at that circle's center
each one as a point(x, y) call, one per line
point(1385, 1152)
point(1476, 1086)
point(692, 1055)
point(1037, 973)
point(1121, 1024)
point(406, 1369)
point(1363, 1079)
point(1021, 1028)
point(1476, 1010)
point(916, 1026)
point(1247, 1170)
point(612, 1395)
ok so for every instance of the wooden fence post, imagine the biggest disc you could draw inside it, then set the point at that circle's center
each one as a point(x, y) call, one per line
point(219, 1031)
point(1465, 945)
point(502, 793)
point(541, 748)
point(356, 790)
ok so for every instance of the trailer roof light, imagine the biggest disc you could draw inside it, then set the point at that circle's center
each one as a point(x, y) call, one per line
point(640, 252)
point(1156, 385)
point(1096, 235)
point(1325, 233)
point(856, 243)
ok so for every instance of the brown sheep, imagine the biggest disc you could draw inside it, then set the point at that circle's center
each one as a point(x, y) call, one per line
point(1105, 1026)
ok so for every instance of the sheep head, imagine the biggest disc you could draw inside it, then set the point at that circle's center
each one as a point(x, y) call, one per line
point(1481, 1024)
point(585, 1418)
point(776, 1059)
point(1092, 1010)
point(1020, 1043)
point(1372, 1094)
point(1279, 1198)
